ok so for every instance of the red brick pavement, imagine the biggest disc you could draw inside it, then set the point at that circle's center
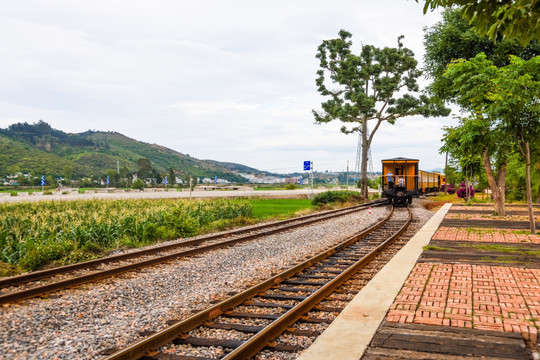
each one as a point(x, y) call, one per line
point(473, 296)
point(485, 235)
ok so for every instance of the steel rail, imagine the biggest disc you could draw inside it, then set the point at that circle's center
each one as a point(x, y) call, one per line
point(62, 284)
point(37, 275)
point(168, 334)
point(260, 340)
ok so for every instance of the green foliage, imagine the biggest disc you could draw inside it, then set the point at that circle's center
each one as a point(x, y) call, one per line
point(33, 235)
point(144, 167)
point(138, 184)
point(377, 84)
point(341, 196)
point(453, 38)
point(516, 179)
point(40, 149)
point(517, 19)
point(172, 177)
point(291, 187)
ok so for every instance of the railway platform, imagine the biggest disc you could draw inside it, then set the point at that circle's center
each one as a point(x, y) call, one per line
point(466, 286)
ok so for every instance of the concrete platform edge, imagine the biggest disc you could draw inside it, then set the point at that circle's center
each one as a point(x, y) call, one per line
point(351, 332)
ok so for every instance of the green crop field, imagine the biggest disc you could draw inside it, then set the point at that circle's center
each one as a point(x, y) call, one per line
point(38, 235)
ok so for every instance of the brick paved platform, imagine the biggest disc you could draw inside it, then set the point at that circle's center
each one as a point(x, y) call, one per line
point(474, 295)
point(485, 235)
point(463, 292)
point(462, 295)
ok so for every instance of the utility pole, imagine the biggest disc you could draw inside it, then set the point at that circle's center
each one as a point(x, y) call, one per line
point(312, 179)
point(190, 186)
point(347, 174)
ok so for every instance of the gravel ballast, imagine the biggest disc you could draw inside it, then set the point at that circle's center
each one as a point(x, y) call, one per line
point(82, 323)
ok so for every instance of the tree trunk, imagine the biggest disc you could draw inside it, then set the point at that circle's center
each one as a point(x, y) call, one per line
point(363, 168)
point(497, 185)
point(445, 174)
point(528, 184)
point(538, 196)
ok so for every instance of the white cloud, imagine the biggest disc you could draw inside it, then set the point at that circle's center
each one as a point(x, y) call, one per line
point(232, 81)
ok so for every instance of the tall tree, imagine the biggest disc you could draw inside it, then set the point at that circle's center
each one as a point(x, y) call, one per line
point(172, 177)
point(454, 38)
point(517, 103)
point(474, 136)
point(509, 19)
point(507, 98)
point(144, 168)
point(377, 84)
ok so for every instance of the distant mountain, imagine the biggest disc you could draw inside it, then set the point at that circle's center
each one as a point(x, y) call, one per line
point(239, 168)
point(40, 149)
point(439, 170)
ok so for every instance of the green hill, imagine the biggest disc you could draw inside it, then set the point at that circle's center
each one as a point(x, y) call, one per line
point(40, 149)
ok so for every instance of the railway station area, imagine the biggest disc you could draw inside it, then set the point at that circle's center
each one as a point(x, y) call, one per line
point(466, 286)
point(369, 281)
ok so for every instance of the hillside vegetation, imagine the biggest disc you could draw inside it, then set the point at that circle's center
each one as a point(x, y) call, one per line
point(40, 149)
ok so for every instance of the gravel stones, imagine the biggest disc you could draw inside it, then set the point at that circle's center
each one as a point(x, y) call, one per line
point(84, 322)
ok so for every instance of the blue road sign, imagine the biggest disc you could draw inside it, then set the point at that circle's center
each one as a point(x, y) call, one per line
point(166, 181)
point(42, 180)
point(307, 165)
point(215, 180)
point(301, 180)
point(107, 179)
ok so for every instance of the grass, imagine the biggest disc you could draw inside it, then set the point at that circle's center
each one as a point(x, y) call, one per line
point(497, 248)
point(505, 249)
point(436, 248)
point(278, 208)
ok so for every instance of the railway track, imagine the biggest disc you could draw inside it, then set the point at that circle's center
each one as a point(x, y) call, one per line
point(39, 283)
point(289, 303)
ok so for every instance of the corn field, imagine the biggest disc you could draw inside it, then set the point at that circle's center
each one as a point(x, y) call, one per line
point(34, 235)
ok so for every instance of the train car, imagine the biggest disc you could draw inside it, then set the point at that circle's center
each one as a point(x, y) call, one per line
point(407, 181)
point(429, 182)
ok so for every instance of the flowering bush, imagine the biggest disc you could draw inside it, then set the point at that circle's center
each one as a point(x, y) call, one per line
point(462, 191)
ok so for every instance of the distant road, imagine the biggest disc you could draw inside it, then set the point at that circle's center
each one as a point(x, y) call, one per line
point(162, 195)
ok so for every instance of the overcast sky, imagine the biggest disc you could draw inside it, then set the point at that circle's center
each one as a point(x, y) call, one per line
point(224, 80)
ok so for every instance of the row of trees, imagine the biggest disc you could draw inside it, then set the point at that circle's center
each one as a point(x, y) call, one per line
point(122, 177)
point(497, 87)
point(483, 57)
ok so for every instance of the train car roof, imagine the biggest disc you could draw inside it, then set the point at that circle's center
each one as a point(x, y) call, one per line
point(400, 159)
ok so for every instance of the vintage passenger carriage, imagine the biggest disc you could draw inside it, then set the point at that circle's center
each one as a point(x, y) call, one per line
point(408, 180)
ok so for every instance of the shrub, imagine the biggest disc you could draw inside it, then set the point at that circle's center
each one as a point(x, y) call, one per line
point(291, 187)
point(328, 197)
point(462, 191)
point(138, 184)
point(13, 193)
